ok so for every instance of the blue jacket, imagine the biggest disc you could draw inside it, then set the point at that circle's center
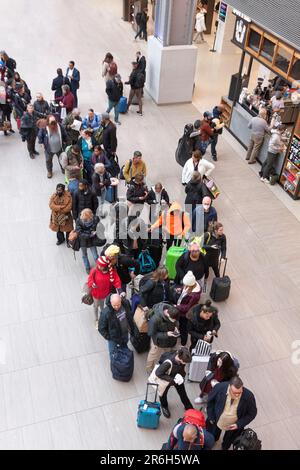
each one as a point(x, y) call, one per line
point(246, 411)
point(94, 124)
point(76, 78)
point(209, 440)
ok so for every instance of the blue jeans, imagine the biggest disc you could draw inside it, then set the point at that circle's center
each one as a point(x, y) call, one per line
point(112, 344)
point(73, 186)
point(85, 255)
point(111, 105)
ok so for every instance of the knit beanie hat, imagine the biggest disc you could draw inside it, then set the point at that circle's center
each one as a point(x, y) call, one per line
point(189, 279)
point(103, 262)
point(111, 251)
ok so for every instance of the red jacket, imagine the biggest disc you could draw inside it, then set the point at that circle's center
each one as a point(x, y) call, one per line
point(206, 131)
point(68, 101)
point(102, 281)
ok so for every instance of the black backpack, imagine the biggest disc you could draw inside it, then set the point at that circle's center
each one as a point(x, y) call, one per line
point(248, 440)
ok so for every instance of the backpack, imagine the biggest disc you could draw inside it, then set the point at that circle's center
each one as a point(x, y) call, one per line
point(195, 417)
point(113, 68)
point(248, 440)
point(122, 177)
point(147, 264)
point(98, 136)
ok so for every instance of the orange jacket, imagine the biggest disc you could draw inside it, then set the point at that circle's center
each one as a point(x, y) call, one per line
point(174, 225)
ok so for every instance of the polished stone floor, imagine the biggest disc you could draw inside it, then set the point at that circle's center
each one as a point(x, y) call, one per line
point(55, 384)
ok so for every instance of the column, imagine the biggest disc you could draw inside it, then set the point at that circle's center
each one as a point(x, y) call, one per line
point(171, 56)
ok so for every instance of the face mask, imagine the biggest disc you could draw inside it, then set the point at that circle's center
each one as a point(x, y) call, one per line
point(206, 206)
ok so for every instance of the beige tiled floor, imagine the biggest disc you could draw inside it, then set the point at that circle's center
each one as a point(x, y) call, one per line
point(56, 387)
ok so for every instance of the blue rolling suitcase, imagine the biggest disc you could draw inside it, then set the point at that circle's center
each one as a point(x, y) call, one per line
point(122, 364)
point(149, 411)
point(123, 105)
point(111, 194)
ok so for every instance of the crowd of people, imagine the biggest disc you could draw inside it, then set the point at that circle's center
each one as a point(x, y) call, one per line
point(131, 272)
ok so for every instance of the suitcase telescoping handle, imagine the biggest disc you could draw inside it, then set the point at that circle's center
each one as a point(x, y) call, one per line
point(225, 266)
point(156, 392)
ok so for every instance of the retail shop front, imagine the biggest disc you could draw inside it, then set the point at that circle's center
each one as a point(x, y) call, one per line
point(268, 65)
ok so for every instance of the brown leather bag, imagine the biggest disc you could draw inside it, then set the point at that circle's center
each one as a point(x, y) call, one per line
point(73, 236)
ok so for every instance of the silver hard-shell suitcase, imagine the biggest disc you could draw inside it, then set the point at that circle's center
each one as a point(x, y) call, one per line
point(200, 358)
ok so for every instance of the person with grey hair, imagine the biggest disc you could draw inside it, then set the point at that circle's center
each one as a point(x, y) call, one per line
point(109, 136)
point(100, 183)
point(66, 101)
point(114, 91)
point(259, 128)
point(69, 124)
point(41, 106)
point(276, 147)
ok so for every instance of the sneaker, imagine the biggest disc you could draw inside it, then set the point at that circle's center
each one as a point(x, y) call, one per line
point(118, 122)
point(31, 155)
point(49, 174)
point(35, 152)
point(200, 400)
point(139, 112)
point(96, 324)
point(12, 131)
point(267, 181)
point(166, 412)
point(262, 179)
point(215, 159)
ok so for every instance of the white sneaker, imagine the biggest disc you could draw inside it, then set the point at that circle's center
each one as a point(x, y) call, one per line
point(200, 400)
point(96, 324)
point(262, 179)
point(267, 181)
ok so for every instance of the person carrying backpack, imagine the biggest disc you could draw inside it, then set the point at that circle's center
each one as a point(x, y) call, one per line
point(155, 288)
point(175, 223)
point(188, 434)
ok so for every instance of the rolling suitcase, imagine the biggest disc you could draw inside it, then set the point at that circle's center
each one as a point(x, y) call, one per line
point(122, 364)
point(220, 288)
point(149, 411)
point(200, 359)
point(173, 254)
point(111, 194)
point(140, 341)
point(123, 105)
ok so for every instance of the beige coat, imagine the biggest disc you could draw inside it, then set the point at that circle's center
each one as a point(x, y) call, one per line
point(61, 219)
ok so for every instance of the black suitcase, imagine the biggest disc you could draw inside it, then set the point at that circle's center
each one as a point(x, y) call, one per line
point(140, 341)
point(220, 288)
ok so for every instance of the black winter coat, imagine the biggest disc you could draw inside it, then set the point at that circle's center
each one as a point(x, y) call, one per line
point(184, 264)
point(198, 327)
point(195, 192)
point(96, 182)
point(125, 265)
point(158, 328)
point(114, 90)
point(154, 292)
point(109, 326)
point(213, 240)
point(164, 372)
point(82, 201)
point(109, 138)
point(136, 79)
point(135, 191)
point(164, 195)
point(20, 103)
point(246, 411)
point(85, 234)
point(57, 83)
point(41, 108)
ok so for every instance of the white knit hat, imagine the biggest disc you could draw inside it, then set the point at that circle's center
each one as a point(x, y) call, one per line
point(189, 279)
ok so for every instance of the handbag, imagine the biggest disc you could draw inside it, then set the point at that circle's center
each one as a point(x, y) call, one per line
point(154, 380)
point(212, 188)
point(87, 298)
point(74, 240)
point(140, 319)
point(63, 113)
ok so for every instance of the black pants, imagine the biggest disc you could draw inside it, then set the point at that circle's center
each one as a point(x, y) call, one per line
point(171, 240)
point(213, 262)
point(214, 141)
point(74, 92)
point(229, 436)
point(183, 322)
point(142, 31)
point(182, 394)
point(61, 236)
point(267, 168)
point(31, 138)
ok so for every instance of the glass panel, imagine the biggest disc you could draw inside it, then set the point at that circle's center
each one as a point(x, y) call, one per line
point(295, 71)
point(267, 50)
point(283, 59)
point(254, 40)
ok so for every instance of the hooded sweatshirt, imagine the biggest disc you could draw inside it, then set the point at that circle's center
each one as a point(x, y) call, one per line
point(174, 224)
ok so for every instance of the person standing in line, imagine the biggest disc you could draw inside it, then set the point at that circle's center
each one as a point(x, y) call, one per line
point(84, 198)
point(215, 244)
point(101, 281)
point(259, 128)
point(20, 101)
point(196, 163)
point(86, 226)
point(114, 91)
point(58, 82)
point(136, 82)
point(92, 121)
point(276, 147)
point(61, 220)
point(230, 408)
point(100, 183)
point(53, 137)
point(72, 163)
point(73, 133)
point(67, 100)
point(109, 136)
point(41, 106)
point(109, 67)
point(134, 167)
point(115, 323)
point(204, 211)
point(28, 130)
point(86, 144)
point(74, 78)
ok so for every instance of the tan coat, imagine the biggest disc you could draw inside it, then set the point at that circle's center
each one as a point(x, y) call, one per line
point(61, 219)
point(130, 172)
